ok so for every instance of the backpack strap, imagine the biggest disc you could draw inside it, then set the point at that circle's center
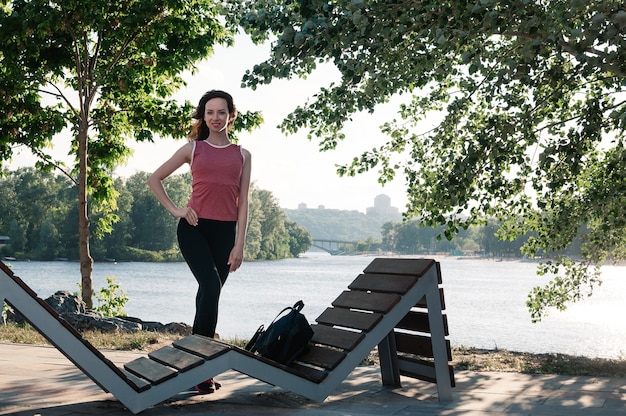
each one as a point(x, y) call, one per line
point(298, 305)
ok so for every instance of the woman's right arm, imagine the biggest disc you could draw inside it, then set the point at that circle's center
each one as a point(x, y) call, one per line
point(155, 182)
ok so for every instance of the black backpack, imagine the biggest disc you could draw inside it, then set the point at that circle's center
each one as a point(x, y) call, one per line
point(285, 338)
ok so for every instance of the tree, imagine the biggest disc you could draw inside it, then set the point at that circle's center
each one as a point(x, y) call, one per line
point(154, 227)
point(104, 72)
point(48, 240)
point(300, 239)
point(528, 98)
point(39, 208)
point(254, 235)
point(10, 212)
point(17, 236)
point(111, 243)
point(36, 213)
point(275, 237)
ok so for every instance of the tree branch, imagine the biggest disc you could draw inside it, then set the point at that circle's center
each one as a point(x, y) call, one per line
point(128, 41)
point(59, 94)
point(570, 48)
point(57, 165)
point(77, 61)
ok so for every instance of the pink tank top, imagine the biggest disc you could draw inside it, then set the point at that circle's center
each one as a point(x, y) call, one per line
point(216, 175)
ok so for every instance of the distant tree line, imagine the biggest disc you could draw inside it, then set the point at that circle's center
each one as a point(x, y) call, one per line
point(339, 225)
point(38, 213)
point(409, 237)
point(375, 233)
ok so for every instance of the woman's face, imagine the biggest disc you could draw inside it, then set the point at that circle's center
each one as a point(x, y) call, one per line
point(216, 114)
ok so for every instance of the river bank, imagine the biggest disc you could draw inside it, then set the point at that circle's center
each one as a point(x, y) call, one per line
point(485, 299)
point(464, 358)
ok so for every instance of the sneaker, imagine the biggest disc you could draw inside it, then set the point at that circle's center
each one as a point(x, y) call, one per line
point(204, 388)
point(207, 387)
point(216, 385)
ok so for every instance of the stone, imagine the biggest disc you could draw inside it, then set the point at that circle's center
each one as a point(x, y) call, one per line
point(91, 320)
point(65, 302)
point(72, 309)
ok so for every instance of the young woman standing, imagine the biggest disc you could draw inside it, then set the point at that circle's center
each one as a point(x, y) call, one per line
point(212, 227)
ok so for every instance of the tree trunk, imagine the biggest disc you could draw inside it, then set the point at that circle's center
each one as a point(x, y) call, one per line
point(86, 261)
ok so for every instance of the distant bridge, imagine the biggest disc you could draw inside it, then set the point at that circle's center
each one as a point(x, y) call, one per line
point(334, 247)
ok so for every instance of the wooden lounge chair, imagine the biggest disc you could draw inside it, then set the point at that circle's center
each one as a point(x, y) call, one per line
point(395, 304)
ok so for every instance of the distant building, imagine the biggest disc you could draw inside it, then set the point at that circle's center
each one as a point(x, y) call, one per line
point(382, 208)
point(4, 240)
point(302, 206)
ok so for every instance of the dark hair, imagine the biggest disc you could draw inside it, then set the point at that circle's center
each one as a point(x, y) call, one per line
point(200, 130)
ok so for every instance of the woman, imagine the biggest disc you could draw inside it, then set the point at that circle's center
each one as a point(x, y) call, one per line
point(212, 227)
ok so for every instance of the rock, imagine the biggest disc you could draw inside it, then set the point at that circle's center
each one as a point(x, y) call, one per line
point(72, 309)
point(178, 328)
point(147, 325)
point(91, 320)
point(172, 327)
point(65, 302)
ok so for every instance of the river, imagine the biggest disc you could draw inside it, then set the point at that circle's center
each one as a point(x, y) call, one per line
point(485, 299)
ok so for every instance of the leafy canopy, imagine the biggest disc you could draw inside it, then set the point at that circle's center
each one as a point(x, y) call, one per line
point(104, 72)
point(528, 102)
point(109, 67)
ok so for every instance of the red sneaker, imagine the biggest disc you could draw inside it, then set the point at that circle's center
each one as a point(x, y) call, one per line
point(216, 385)
point(204, 388)
point(207, 387)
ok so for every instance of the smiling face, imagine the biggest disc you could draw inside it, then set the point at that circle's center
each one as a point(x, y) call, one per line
point(216, 115)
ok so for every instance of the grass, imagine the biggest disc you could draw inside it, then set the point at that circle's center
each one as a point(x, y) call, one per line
point(464, 358)
point(136, 341)
point(475, 359)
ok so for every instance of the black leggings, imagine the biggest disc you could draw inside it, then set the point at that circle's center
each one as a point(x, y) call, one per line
point(206, 248)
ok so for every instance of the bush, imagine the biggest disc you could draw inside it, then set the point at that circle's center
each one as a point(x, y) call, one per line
point(111, 299)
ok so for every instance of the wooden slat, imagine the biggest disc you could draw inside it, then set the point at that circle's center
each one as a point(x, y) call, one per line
point(24, 286)
point(175, 358)
point(313, 374)
point(51, 311)
point(438, 265)
point(137, 383)
point(300, 370)
point(47, 307)
point(349, 319)
point(150, 370)
point(422, 369)
point(323, 357)
point(418, 321)
point(334, 337)
point(375, 302)
point(422, 302)
point(414, 267)
point(6, 269)
point(377, 282)
point(204, 347)
point(418, 345)
point(69, 327)
point(97, 352)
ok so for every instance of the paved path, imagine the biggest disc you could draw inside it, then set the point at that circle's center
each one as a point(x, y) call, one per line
point(39, 380)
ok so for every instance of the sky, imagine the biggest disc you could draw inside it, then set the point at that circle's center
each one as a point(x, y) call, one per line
point(291, 167)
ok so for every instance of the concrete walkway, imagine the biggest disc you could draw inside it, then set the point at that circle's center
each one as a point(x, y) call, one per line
point(39, 380)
